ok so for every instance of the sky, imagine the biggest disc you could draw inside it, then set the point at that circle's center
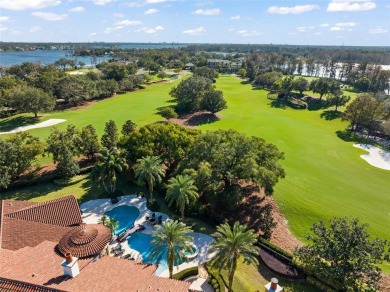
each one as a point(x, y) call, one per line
point(324, 22)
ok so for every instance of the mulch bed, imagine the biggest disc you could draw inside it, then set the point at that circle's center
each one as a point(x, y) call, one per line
point(279, 267)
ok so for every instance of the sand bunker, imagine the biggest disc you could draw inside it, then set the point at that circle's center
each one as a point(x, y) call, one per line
point(44, 124)
point(376, 156)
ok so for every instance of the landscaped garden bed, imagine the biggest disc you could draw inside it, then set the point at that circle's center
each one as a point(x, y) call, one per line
point(278, 266)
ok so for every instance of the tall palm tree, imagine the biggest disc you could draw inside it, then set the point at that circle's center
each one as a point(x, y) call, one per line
point(149, 169)
point(231, 243)
point(109, 164)
point(112, 225)
point(103, 220)
point(181, 189)
point(171, 240)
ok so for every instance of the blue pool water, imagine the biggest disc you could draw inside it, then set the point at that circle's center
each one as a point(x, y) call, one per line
point(125, 215)
point(141, 243)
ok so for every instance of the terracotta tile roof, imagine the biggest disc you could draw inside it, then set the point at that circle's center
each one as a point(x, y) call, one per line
point(7, 285)
point(116, 274)
point(40, 265)
point(18, 233)
point(11, 206)
point(64, 211)
point(85, 240)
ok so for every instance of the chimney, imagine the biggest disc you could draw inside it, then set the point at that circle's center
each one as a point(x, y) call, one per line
point(273, 286)
point(70, 265)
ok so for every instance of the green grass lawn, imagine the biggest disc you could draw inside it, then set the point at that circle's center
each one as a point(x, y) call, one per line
point(325, 175)
point(141, 107)
point(250, 278)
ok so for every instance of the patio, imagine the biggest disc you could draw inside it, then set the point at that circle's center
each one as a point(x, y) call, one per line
point(94, 210)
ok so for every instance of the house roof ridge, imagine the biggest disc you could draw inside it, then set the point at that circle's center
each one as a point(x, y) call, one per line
point(42, 212)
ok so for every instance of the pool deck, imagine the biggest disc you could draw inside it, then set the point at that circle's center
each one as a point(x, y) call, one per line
point(95, 209)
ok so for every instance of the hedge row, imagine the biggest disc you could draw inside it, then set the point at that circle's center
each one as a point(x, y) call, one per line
point(216, 280)
point(186, 273)
point(319, 284)
point(277, 251)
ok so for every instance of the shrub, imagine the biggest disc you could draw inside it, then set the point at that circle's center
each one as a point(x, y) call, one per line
point(319, 284)
point(277, 250)
point(215, 278)
point(186, 273)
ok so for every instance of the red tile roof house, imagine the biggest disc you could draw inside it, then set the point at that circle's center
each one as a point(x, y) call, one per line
point(34, 238)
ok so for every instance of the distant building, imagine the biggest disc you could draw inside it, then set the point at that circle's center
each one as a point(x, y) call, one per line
point(224, 66)
point(188, 66)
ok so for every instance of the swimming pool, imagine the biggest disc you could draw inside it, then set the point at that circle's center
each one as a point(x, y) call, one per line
point(125, 215)
point(141, 243)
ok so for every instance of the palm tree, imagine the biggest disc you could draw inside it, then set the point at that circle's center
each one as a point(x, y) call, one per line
point(109, 163)
point(103, 220)
point(149, 169)
point(181, 189)
point(112, 225)
point(171, 240)
point(231, 243)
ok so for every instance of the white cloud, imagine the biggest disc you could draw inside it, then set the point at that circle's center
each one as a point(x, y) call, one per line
point(317, 33)
point(146, 2)
point(237, 17)
point(154, 30)
point(119, 15)
point(127, 22)
point(77, 9)
point(150, 11)
point(304, 28)
point(350, 5)
point(378, 30)
point(214, 11)
point(4, 18)
point(102, 2)
point(27, 4)
point(293, 10)
point(324, 25)
point(194, 31)
point(342, 26)
point(3, 28)
point(35, 28)
point(248, 33)
point(92, 34)
point(205, 3)
point(50, 16)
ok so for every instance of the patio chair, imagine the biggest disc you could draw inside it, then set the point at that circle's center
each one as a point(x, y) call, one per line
point(153, 215)
point(159, 220)
point(119, 253)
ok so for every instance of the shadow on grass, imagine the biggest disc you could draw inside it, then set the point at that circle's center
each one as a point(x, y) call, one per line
point(349, 136)
point(331, 115)
point(292, 285)
point(31, 192)
point(201, 119)
point(316, 104)
point(278, 103)
point(11, 123)
point(245, 82)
